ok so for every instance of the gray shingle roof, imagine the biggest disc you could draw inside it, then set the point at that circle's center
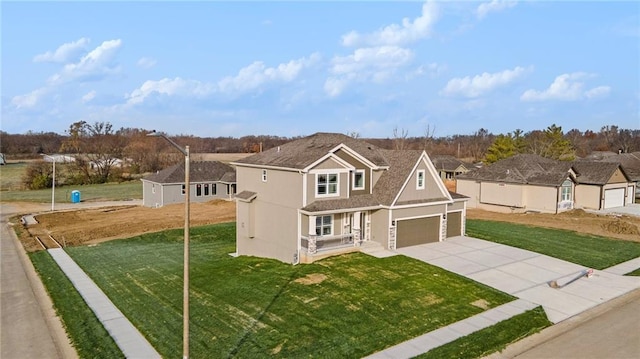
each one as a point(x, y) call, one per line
point(246, 195)
point(594, 172)
point(523, 169)
point(301, 153)
point(200, 171)
point(630, 162)
point(391, 181)
point(358, 201)
point(446, 162)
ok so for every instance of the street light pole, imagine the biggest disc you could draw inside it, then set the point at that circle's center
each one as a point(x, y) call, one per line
point(185, 289)
point(53, 183)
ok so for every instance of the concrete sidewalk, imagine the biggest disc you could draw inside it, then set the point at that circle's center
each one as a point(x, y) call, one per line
point(444, 335)
point(126, 336)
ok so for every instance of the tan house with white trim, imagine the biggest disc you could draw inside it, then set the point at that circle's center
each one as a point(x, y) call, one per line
point(531, 183)
point(329, 193)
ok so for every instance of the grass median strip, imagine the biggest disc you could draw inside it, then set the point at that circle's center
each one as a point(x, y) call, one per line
point(345, 306)
point(492, 339)
point(587, 250)
point(87, 334)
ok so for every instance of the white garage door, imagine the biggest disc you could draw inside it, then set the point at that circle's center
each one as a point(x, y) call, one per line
point(614, 198)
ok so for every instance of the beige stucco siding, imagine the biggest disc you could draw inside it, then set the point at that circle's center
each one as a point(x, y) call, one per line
point(414, 212)
point(588, 196)
point(471, 189)
point(618, 177)
point(432, 188)
point(276, 208)
point(540, 198)
point(380, 227)
point(504, 194)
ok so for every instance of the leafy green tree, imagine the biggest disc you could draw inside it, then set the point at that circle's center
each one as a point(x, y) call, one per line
point(503, 146)
point(556, 146)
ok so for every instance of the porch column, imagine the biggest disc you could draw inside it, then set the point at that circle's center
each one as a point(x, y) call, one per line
point(356, 227)
point(311, 247)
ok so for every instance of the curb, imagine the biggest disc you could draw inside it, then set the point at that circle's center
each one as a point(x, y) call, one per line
point(553, 331)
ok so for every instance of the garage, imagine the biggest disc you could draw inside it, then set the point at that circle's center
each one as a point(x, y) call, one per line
point(614, 198)
point(454, 224)
point(416, 231)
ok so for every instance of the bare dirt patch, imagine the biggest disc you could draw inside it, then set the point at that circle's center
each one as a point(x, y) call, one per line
point(313, 278)
point(611, 226)
point(107, 223)
point(481, 303)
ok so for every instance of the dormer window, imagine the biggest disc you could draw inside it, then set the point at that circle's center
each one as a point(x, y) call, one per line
point(358, 179)
point(420, 179)
point(327, 184)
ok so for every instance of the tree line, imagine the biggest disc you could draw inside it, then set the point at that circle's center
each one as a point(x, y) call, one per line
point(105, 154)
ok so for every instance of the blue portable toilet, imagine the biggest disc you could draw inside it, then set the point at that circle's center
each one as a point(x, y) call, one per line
point(75, 196)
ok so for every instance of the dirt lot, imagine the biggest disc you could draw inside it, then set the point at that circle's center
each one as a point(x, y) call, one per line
point(107, 223)
point(95, 225)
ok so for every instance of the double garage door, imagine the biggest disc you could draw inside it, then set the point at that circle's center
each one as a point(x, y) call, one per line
point(614, 197)
point(411, 232)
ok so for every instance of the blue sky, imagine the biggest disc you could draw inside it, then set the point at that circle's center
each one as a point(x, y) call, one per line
point(294, 68)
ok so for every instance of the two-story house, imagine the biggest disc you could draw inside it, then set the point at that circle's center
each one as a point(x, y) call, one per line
point(330, 193)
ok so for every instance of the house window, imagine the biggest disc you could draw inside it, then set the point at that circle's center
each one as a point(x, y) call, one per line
point(264, 175)
point(198, 190)
point(327, 184)
point(206, 189)
point(233, 189)
point(213, 189)
point(153, 188)
point(183, 192)
point(323, 225)
point(358, 179)
point(420, 180)
point(566, 191)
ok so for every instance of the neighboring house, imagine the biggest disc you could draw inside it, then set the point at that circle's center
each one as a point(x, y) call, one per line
point(528, 182)
point(630, 162)
point(329, 193)
point(449, 167)
point(111, 162)
point(208, 180)
point(59, 158)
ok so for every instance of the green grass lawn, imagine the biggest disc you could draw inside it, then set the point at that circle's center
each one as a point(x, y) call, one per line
point(492, 339)
point(341, 307)
point(635, 273)
point(587, 250)
point(11, 176)
point(95, 192)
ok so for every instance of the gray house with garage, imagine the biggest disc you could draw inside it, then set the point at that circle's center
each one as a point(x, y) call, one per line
point(209, 180)
point(329, 193)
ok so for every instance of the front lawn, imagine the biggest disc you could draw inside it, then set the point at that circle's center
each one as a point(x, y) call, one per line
point(587, 250)
point(342, 307)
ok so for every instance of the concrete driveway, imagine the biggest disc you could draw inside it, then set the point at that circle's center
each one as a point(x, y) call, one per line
point(525, 274)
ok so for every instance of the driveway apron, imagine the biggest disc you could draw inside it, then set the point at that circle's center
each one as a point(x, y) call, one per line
point(525, 274)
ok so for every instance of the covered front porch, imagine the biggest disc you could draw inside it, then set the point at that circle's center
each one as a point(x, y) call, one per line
point(326, 233)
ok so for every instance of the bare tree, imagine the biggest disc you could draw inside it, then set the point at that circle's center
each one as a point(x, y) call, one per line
point(429, 133)
point(400, 138)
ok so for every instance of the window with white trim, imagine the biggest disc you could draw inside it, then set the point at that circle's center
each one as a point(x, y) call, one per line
point(358, 179)
point(183, 191)
point(214, 189)
point(264, 175)
point(198, 190)
point(324, 225)
point(566, 191)
point(327, 184)
point(206, 189)
point(420, 179)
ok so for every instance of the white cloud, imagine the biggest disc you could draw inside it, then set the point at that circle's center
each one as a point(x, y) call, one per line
point(65, 52)
point(493, 6)
point(146, 62)
point(375, 64)
point(171, 87)
point(395, 34)
point(566, 87)
point(94, 64)
point(480, 84)
point(258, 74)
point(30, 99)
point(433, 69)
point(597, 92)
point(89, 96)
